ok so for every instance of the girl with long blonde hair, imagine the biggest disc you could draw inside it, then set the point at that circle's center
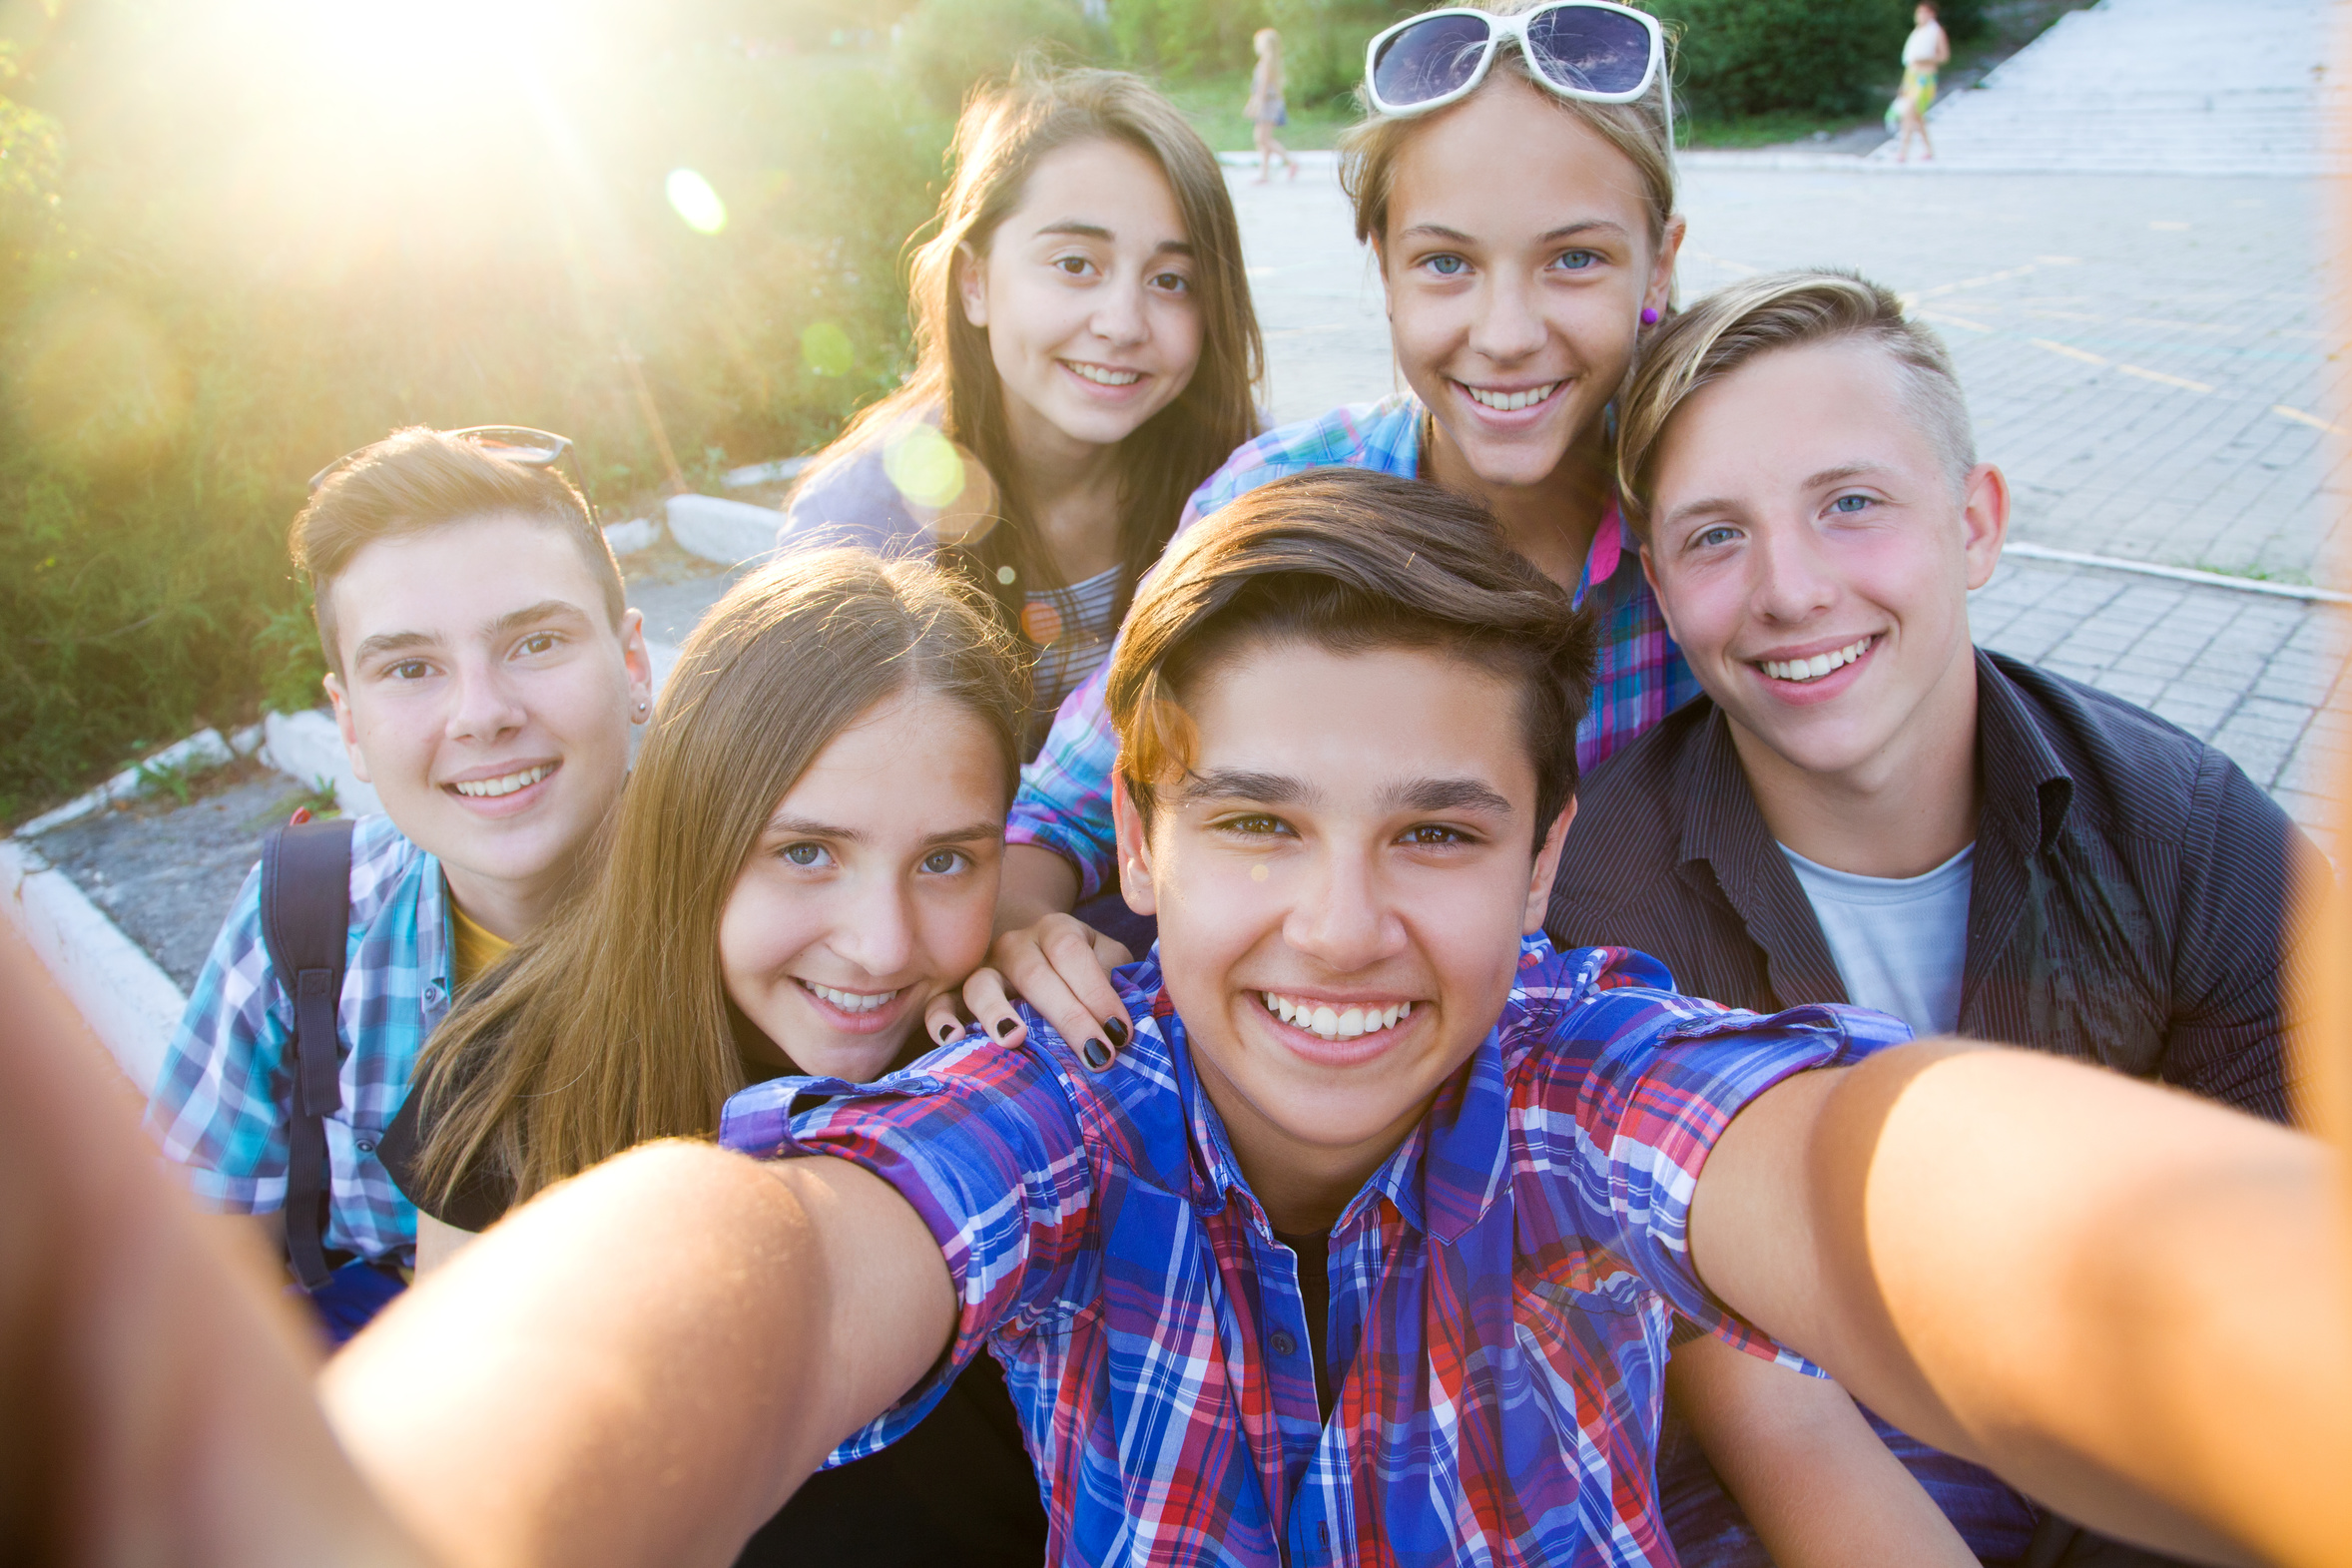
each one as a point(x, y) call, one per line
point(802, 864)
point(1085, 354)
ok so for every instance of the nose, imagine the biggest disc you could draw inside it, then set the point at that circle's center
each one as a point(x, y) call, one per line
point(1508, 327)
point(1119, 313)
point(877, 930)
point(1340, 916)
point(484, 706)
point(1789, 577)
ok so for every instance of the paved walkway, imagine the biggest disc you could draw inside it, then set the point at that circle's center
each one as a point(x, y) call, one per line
point(2148, 357)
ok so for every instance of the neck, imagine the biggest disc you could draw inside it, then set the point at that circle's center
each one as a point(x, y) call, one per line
point(1901, 811)
point(1303, 1187)
point(1072, 490)
point(506, 909)
point(1552, 522)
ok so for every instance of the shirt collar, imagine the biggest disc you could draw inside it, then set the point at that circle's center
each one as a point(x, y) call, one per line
point(1445, 1175)
point(2027, 790)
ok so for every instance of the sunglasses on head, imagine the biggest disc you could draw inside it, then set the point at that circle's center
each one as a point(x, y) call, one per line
point(1588, 49)
point(509, 444)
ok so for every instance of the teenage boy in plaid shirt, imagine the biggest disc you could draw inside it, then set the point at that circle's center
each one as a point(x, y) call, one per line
point(1342, 789)
point(485, 673)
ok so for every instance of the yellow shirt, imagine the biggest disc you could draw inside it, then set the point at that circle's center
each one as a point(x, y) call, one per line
point(475, 948)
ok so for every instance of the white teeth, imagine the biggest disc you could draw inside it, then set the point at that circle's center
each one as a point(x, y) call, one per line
point(1507, 402)
point(1819, 665)
point(851, 1001)
point(492, 789)
point(1332, 1023)
point(1105, 377)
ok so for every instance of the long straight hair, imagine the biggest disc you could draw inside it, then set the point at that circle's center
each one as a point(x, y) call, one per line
point(1003, 133)
point(609, 1024)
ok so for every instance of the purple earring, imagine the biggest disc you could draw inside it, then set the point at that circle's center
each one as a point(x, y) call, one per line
point(1649, 317)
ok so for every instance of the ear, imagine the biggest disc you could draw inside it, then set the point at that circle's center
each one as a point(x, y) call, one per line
point(346, 724)
point(637, 660)
point(972, 285)
point(1546, 864)
point(1661, 275)
point(1135, 875)
point(1984, 521)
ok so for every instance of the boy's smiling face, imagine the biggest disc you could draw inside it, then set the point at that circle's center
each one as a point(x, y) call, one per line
point(1354, 836)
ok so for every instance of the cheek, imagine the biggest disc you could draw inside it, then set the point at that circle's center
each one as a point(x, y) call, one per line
point(760, 930)
point(957, 929)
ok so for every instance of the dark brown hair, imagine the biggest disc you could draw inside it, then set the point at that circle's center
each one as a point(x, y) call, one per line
point(1349, 560)
point(609, 1024)
point(1004, 132)
point(415, 481)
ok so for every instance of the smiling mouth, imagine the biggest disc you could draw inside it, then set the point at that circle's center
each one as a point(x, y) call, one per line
point(1509, 402)
point(1346, 1023)
point(848, 1001)
point(1819, 665)
point(505, 783)
point(1102, 375)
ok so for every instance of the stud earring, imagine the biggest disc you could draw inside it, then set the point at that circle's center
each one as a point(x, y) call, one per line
point(1649, 316)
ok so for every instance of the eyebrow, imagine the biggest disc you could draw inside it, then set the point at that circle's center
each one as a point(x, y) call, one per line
point(781, 826)
point(1413, 794)
point(546, 609)
point(1238, 784)
point(1564, 231)
point(1445, 795)
point(1086, 230)
point(1816, 481)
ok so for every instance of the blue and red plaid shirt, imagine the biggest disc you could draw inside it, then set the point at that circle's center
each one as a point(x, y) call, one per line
point(1640, 677)
point(1501, 1290)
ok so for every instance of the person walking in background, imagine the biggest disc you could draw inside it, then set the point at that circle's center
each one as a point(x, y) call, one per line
point(1266, 107)
point(1925, 50)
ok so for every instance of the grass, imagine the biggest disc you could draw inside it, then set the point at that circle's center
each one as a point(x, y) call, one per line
point(1213, 103)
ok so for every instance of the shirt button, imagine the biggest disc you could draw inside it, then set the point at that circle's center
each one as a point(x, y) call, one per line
point(365, 1146)
point(1284, 1344)
point(432, 991)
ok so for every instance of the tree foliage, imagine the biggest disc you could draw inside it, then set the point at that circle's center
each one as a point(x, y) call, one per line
point(1821, 57)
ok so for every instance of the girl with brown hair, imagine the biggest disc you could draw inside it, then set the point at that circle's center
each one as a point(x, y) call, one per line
point(1085, 354)
point(802, 864)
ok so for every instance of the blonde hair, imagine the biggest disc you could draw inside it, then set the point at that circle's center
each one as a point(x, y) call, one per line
point(1268, 44)
point(1369, 149)
point(609, 1025)
point(1757, 315)
point(1004, 131)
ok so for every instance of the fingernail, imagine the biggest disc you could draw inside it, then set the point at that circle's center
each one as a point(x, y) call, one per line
point(1097, 1054)
point(1116, 1028)
point(1006, 1025)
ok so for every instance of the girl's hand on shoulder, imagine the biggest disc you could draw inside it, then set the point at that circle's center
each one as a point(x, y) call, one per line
point(1061, 967)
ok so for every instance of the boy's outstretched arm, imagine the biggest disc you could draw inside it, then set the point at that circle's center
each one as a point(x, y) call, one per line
point(2129, 1302)
point(641, 1365)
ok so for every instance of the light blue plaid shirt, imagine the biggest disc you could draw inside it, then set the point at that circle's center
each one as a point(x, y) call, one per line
point(221, 1102)
point(1065, 797)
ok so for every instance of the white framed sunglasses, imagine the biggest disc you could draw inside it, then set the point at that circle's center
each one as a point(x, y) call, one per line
point(1594, 50)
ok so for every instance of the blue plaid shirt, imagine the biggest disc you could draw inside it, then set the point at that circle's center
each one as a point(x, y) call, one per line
point(1065, 797)
point(221, 1102)
point(1502, 1290)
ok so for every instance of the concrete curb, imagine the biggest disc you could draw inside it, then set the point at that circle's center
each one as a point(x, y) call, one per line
point(724, 532)
point(129, 1003)
point(200, 752)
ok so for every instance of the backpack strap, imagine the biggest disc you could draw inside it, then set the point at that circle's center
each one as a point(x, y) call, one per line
point(305, 921)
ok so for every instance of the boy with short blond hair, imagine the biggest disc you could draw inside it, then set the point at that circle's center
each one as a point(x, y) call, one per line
point(484, 671)
point(1864, 807)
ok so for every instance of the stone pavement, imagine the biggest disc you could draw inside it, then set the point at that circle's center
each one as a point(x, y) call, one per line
point(2147, 357)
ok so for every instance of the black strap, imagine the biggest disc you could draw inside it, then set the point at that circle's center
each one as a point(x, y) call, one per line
point(306, 918)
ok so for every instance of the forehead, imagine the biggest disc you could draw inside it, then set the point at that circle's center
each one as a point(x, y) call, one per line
point(1561, 170)
point(453, 580)
point(1790, 413)
point(1102, 181)
point(1349, 725)
point(914, 762)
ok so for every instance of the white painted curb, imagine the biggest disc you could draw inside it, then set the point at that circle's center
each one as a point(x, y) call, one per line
point(200, 751)
point(307, 748)
point(728, 533)
point(130, 1003)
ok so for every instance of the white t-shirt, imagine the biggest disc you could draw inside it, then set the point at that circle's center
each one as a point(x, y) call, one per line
point(1901, 942)
point(1920, 47)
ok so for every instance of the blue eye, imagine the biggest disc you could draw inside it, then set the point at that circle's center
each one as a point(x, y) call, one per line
point(1715, 536)
point(1576, 261)
point(1447, 265)
point(1850, 504)
point(805, 856)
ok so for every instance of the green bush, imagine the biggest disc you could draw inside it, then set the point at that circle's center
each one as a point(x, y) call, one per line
point(1826, 57)
point(243, 277)
point(1187, 38)
point(945, 46)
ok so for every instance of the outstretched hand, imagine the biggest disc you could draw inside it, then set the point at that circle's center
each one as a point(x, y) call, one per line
point(1061, 967)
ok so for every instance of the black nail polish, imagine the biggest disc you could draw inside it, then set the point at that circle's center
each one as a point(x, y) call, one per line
point(1116, 1028)
point(1006, 1025)
point(1097, 1054)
